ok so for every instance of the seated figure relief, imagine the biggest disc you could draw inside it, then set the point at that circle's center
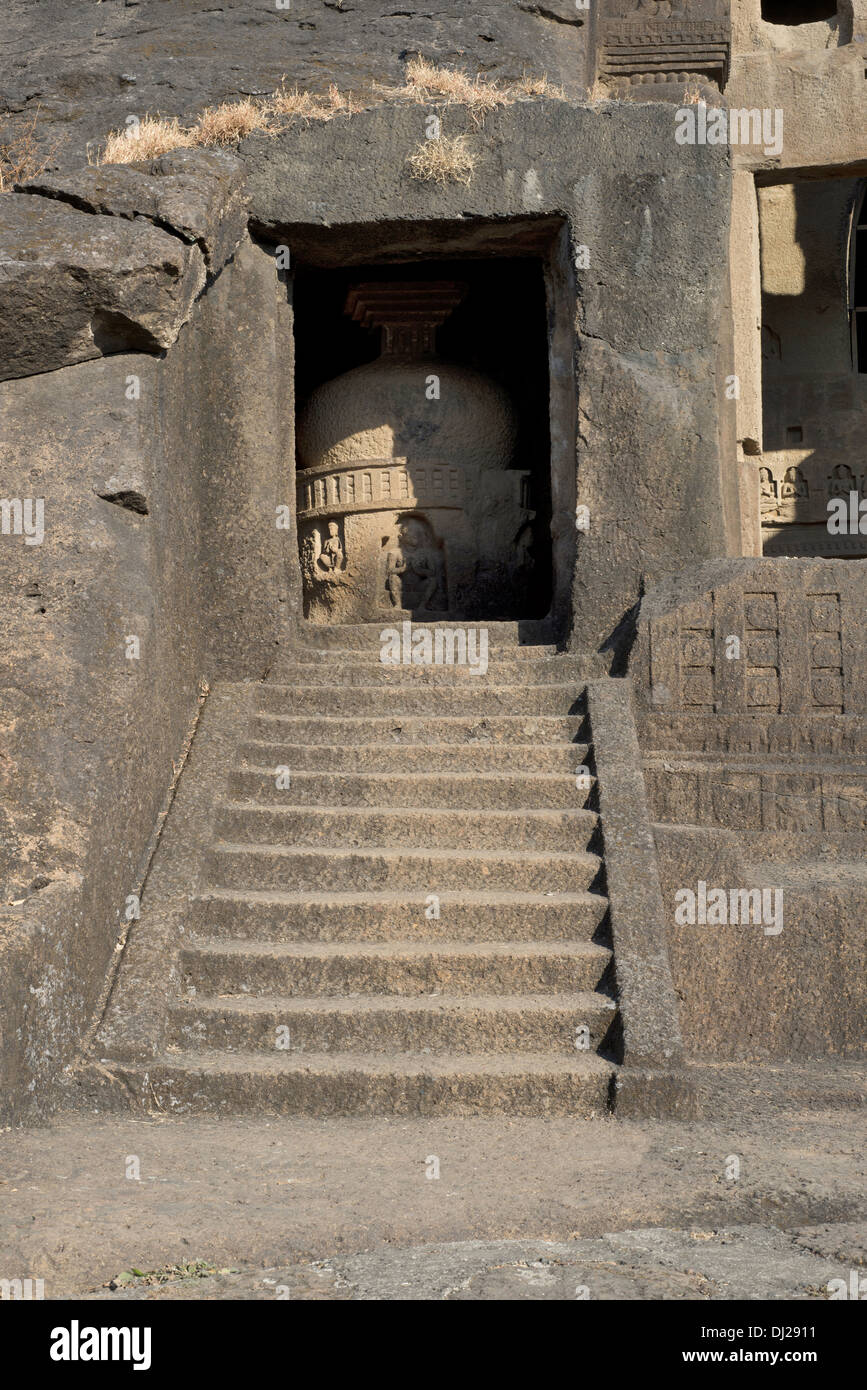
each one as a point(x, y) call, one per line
point(324, 560)
point(794, 483)
point(841, 481)
point(768, 488)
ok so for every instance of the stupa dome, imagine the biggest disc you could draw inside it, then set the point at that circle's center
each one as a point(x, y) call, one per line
point(382, 411)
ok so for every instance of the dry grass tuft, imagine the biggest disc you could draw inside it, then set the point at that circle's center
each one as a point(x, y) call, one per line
point(539, 87)
point(222, 125)
point(148, 139)
point(445, 159)
point(425, 82)
point(229, 122)
point(21, 157)
point(293, 103)
point(306, 106)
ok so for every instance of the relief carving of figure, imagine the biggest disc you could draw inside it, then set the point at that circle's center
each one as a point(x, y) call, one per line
point(324, 561)
point(413, 567)
point(525, 559)
point(768, 490)
point(794, 483)
point(331, 560)
point(841, 481)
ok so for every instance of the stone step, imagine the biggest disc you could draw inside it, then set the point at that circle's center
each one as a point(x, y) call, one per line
point(232, 865)
point(554, 670)
point(282, 1083)
point(326, 657)
point(404, 827)
point(467, 790)
point(399, 730)
point(373, 1023)
point(337, 761)
point(219, 967)
point(372, 701)
point(366, 636)
point(351, 917)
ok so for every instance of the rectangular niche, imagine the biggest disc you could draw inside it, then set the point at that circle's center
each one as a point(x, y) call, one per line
point(814, 385)
point(423, 431)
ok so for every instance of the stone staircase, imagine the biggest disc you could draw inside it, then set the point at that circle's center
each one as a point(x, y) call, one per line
point(416, 923)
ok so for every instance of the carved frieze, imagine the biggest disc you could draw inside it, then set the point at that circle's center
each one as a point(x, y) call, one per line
point(662, 49)
point(380, 485)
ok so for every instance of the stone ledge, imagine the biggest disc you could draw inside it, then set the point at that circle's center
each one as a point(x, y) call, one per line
point(112, 259)
point(149, 973)
point(74, 286)
point(652, 1045)
point(197, 195)
point(643, 1093)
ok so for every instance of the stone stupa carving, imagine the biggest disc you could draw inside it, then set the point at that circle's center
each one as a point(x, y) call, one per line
point(408, 505)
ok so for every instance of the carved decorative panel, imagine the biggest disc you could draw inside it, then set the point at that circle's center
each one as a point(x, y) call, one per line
point(661, 48)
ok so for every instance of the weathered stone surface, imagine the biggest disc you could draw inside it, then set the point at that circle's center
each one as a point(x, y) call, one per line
point(802, 84)
point(75, 286)
point(742, 993)
point(85, 748)
point(196, 194)
point(89, 66)
point(752, 678)
point(90, 736)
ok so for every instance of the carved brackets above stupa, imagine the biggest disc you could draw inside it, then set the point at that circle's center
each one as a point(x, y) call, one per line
point(661, 49)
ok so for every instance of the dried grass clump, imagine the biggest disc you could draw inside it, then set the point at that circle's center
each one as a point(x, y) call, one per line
point(425, 82)
point(21, 157)
point(306, 106)
point(148, 139)
point(229, 122)
point(221, 125)
point(444, 159)
point(336, 103)
point(293, 103)
point(538, 87)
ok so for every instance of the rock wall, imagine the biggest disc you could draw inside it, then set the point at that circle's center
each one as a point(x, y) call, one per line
point(159, 485)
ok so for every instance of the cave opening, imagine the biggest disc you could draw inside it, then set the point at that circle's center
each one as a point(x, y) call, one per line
point(423, 439)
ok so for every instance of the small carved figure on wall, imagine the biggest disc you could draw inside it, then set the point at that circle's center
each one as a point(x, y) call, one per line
point(769, 502)
point(794, 483)
point(323, 561)
point(332, 559)
point(525, 560)
point(841, 481)
point(413, 567)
